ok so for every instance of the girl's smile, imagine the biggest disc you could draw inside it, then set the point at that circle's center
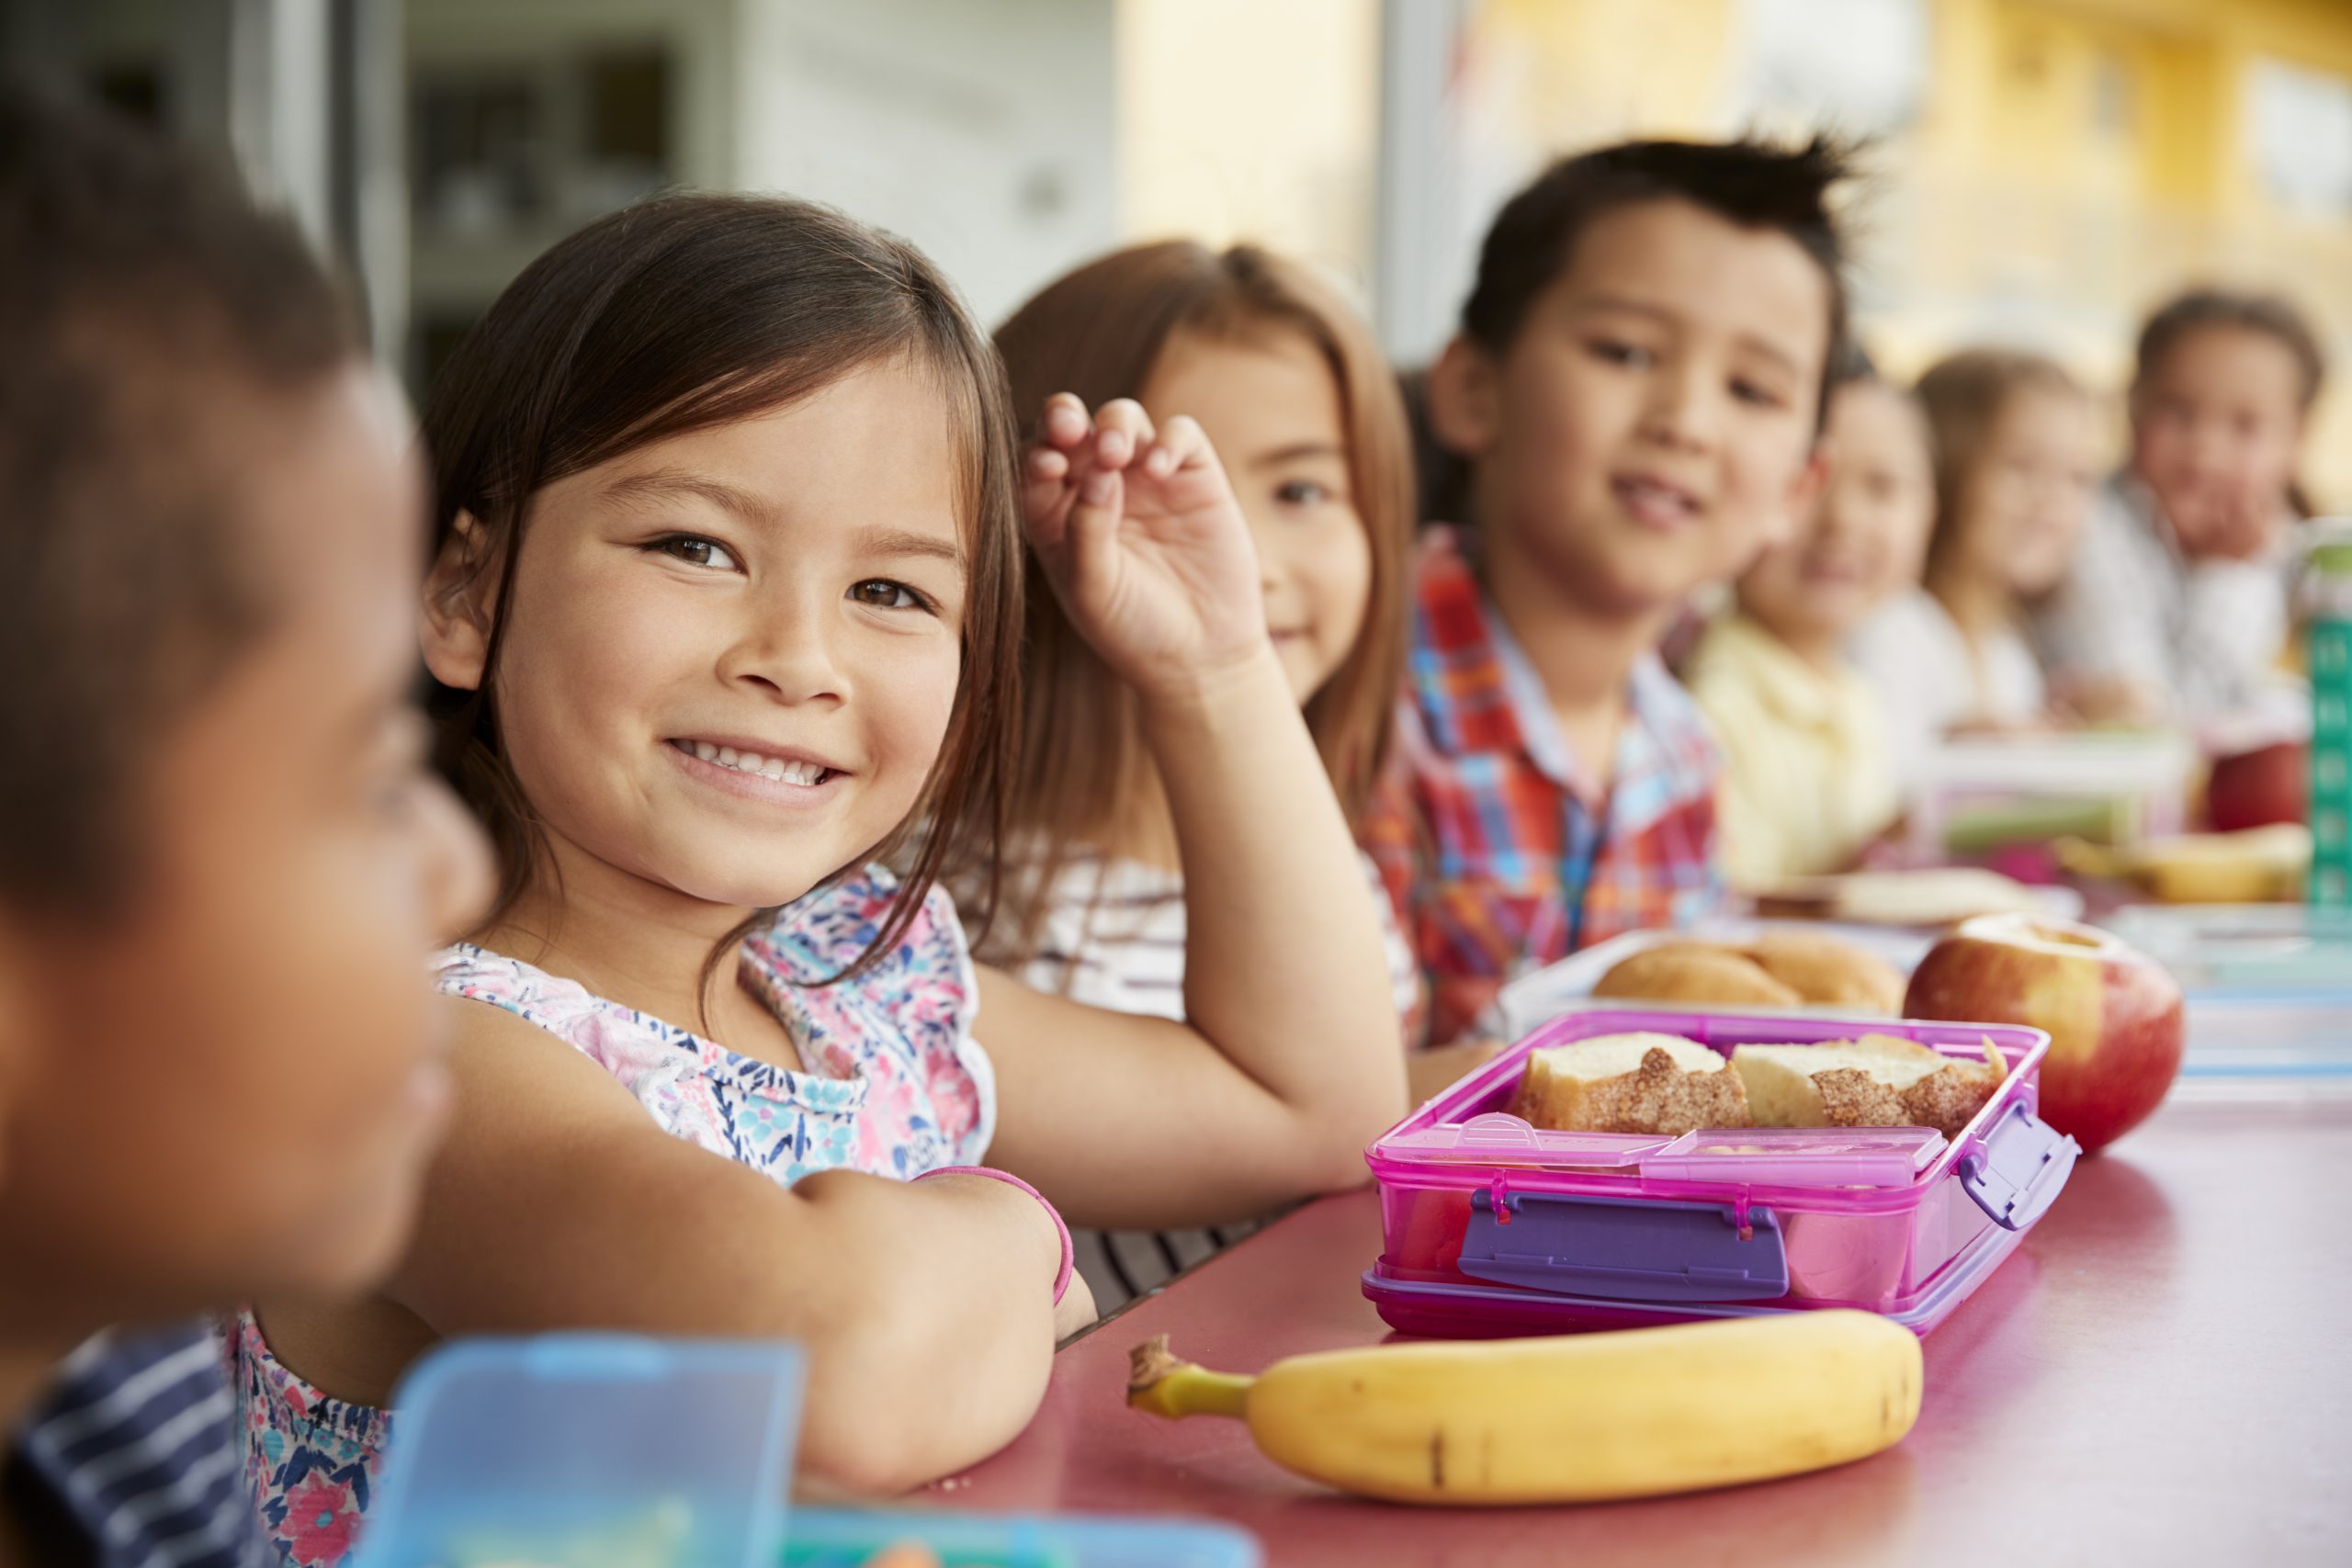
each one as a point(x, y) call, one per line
point(769, 773)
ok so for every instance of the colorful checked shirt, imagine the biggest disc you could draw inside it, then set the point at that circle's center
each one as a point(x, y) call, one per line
point(1500, 850)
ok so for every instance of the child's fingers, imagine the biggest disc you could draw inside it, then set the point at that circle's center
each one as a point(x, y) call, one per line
point(1090, 538)
point(1181, 444)
point(1046, 495)
point(1065, 423)
point(1121, 430)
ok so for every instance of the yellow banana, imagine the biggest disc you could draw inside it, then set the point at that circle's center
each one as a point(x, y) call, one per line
point(1572, 1419)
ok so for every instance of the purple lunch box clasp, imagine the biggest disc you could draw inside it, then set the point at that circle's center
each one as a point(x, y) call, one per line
point(2018, 1166)
point(1625, 1249)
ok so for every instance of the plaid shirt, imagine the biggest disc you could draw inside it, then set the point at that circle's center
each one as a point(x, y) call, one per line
point(1500, 852)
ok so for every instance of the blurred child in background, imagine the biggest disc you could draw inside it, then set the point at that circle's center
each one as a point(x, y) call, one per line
point(2015, 458)
point(2177, 608)
point(210, 770)
point(1809, 773)
point(1637, 391)
point(1290, 387)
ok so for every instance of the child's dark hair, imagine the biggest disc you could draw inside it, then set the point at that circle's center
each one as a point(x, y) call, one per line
point(1752, 184)
point(1534, 240)
point(140, 295)
point(2272, 315)
point(689, 312)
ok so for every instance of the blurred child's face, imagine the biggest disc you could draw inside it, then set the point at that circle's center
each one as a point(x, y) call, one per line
point(2030, 495)
point(2215, 429)
point(731, 655)
point(1866, 534)
point(1271, 406)
point(1649, 429)
point(239, 1082)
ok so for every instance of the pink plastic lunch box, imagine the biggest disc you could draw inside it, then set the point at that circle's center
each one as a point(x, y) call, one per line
point(1490, 1226)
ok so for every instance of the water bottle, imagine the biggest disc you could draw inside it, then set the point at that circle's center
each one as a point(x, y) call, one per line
point(2326, 595)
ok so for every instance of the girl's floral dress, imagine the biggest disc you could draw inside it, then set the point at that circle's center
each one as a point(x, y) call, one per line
point(896, 1087)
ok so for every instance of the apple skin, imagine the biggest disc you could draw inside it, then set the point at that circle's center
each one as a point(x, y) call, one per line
point(2259, 788)
point(2116, 1019)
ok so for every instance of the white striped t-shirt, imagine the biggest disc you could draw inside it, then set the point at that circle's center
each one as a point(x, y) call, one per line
point(1112, 936)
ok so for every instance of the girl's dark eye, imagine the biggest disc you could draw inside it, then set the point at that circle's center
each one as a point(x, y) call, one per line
point(695, 550)
point(1752, 393)
point(1301, 492)
point(1617, 353)
point(881, 593)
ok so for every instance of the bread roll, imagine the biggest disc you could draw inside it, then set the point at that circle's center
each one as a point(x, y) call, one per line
point(1829, 972)
point(1695, 971)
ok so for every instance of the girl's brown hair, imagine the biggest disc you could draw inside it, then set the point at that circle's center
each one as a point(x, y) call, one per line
point(1963, 396)
point(1098, 333)
point(694, 310)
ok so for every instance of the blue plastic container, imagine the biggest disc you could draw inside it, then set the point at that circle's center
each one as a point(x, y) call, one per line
point(577, 1451)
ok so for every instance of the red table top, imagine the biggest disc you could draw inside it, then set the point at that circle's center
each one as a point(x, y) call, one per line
point(2158, 1375)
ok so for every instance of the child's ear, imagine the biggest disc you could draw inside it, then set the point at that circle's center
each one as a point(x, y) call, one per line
point(1465, 399)
point(458, 594)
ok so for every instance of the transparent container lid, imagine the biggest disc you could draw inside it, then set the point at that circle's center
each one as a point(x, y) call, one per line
point(577, 1451)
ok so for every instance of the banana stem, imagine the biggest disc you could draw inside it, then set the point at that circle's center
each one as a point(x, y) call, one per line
point(1160, 1383)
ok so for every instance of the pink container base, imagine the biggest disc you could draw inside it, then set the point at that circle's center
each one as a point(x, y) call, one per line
point(1491, 1226)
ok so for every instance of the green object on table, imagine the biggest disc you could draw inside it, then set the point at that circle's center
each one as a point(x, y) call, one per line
point(1979, 827)
point(2327, 595)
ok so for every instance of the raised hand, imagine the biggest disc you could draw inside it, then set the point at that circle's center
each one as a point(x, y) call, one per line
point(1146, 549)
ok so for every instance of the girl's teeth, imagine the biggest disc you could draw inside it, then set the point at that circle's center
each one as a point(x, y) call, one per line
point(808, 774)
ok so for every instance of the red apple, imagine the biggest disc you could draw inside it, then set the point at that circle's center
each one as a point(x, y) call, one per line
point(2259, 788)
point(2115, 1018)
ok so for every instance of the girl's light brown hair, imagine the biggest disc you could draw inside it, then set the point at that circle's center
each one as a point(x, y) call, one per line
point(1963, 396)
point(691, 312)
point(1098, 333)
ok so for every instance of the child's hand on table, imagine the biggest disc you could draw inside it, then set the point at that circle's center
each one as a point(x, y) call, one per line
point(1147, 548)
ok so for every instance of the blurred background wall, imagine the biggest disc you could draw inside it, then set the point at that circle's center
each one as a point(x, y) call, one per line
point(2044, 170)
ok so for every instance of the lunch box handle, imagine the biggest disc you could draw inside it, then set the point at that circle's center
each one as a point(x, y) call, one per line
point(2018, 1167)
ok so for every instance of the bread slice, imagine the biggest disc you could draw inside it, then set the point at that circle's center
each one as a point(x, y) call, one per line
point(1829, 972)
point(1876, 1081)
point(1695, 971)
point(1630, 1083)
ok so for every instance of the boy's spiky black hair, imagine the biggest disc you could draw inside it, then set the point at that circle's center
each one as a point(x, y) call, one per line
point(1753, 183)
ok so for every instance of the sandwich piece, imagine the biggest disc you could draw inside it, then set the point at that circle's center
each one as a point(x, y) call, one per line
point(1630, 1083)
point(1876, 1081)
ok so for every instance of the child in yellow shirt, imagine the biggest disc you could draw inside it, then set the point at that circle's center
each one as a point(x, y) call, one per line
point(1809, 776)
